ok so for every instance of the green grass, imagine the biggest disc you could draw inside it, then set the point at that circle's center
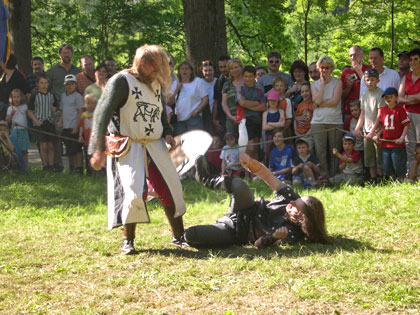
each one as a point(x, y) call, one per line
point(57, 256)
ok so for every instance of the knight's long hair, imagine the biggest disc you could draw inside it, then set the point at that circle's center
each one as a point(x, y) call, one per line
point(313, 224)
point(156, 56)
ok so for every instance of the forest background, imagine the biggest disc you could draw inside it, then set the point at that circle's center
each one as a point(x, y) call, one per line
point(205, 29)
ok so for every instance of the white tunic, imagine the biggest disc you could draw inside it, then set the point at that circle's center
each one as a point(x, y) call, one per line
point(140, 119)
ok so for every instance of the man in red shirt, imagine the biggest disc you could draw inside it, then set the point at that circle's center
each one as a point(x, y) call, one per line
point(350, 77)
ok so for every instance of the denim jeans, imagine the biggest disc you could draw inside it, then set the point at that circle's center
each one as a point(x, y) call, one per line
point(394, 159)
point(191, 123)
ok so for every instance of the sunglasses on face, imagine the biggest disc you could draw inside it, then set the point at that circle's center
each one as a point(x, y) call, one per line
point(206, 63)
point(274, 61)
point(373, 72)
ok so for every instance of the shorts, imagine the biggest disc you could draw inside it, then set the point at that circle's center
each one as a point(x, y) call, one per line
point(45, 127)
point(268, 146)
point(22, 138)
point(306, 182)
point(372, 154)
point(254, 127)
point(350, 179)
point(72, 147)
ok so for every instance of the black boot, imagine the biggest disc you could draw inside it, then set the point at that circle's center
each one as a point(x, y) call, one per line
point(129, 233)
point(177, 227)
point(202, 175)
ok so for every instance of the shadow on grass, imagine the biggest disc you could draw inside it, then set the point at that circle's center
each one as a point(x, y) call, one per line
point(295, 250)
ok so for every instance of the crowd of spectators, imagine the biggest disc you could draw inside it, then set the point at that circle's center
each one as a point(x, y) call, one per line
point(307, 125)
point(52, 108)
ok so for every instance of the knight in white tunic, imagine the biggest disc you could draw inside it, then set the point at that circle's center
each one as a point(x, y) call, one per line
point(132, 105)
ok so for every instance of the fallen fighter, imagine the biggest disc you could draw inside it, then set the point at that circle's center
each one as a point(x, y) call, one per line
point(286, 218)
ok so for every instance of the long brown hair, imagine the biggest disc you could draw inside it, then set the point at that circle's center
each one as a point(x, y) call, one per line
point(186, 63)
point(156, 56)
point(313, 224)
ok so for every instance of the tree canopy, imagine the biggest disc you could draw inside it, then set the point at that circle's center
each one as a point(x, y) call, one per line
point(104, 28)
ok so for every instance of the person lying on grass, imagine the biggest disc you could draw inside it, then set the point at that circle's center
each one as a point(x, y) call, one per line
point(286, 218)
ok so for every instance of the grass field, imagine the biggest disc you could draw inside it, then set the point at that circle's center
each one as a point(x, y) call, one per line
point(57, 256)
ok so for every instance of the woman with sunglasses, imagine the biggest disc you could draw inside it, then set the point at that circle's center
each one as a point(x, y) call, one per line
point(231, 93)
point(409, 95)
point(327, 115)
point(190, 97)
point(287, 218)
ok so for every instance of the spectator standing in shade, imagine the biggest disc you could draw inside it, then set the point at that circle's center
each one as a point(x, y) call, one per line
point(395, 122)
point(409, 95)
point(403, 63)
point(351, 78)
point(41, 107)
point(371, 101)
point(209, 81)
point(100, 82)
point(300, 74)
point(37, 64)
point(71, 105)
point(190, 97)
point(273, 61)
point(261, 71)
point(326, 94)
point(56, 76)
point(218, 115)
point(172, 64)
point(10, 80)
point(387, 77)
point(313, 71)
point(87, 76)
point(57, 72)
point(232, 93)
point(110, 66)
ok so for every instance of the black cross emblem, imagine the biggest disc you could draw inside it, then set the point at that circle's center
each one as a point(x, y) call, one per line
point(149, 130)
point(157, 95)
point(136, 92)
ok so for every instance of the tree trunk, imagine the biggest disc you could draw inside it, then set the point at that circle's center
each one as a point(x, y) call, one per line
point(20, 32)
point(205, 31)
point(392, 35)
point(305, 31)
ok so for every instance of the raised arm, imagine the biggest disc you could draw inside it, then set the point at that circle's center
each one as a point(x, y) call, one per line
point(114, 95)
point(261, 171)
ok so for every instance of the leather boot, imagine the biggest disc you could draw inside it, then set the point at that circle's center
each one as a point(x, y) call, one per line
point(129, 234)
point(177, 226)
point(202, 175)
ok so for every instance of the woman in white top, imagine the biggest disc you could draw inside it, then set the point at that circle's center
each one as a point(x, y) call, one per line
point(190, 97)
point(326, 94)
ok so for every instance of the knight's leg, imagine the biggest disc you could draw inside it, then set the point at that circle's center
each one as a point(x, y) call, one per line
point(176, 223)
point(129, 234)
point(216, 235)
point(242, 196)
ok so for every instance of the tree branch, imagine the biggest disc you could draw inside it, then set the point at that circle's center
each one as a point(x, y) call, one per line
point(239, 36)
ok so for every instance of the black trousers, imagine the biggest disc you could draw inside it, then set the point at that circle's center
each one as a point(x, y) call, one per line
point(222, 232)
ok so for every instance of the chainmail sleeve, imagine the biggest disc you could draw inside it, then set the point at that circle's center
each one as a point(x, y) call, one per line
point(167, 129)
point(113, 97)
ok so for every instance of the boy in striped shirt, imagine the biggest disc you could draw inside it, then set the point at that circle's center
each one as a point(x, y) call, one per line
point(41, 107)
